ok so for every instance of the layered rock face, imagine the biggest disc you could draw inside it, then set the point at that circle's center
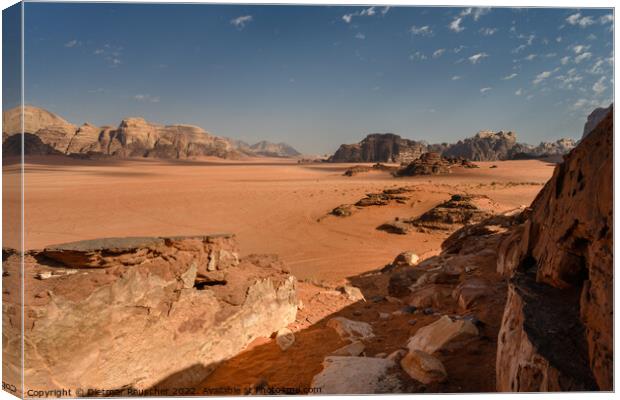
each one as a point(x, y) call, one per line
point(428, 164)
point(134, 137)
point(557, 326)
point(380, 147)
point(140, 312)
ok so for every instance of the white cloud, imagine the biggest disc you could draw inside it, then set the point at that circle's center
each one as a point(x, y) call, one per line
point(583, 56)
point(480, 11)
point(541, 77)
point(597, 68)
point(564, 60)
point(146, 98)
point(519, 92)
point(605, 19)
point(530, 57)
point(578, 19)
point(456, 78)
point(417, 56)
point(580, 48)
point(455, 25)
point(485, 89)
point(366, 12)
point(475, 59)
point(518, 48)
point(241, 21)
point(421, 30)
point(437, 53)
point(457, 50)
point(72, 43)
point(111, 54)
point(571, 77)
point(488, 31)
point(509, 77)
point(599, 86)
point(360, 35)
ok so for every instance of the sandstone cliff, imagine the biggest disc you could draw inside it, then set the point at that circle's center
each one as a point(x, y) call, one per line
point(380, 147)
point(484, 146)
point(557, 326)
point(134, 137)
point(138, 312)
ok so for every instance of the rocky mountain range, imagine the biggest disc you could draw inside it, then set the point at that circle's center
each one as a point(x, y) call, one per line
point(134, 137)
point(484, 146)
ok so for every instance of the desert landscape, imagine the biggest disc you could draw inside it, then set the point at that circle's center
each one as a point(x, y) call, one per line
point(378, 278)
point(317, 241)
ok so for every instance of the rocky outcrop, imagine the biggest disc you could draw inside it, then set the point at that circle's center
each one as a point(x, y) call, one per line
point(134, 137)
point(557, 326)
point(484, 146)
point(124, 306)
point(426, 164)
point(380, 147)
point(459, 210)
point(595, 118)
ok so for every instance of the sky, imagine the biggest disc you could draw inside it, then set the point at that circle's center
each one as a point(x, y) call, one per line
point(319, 76)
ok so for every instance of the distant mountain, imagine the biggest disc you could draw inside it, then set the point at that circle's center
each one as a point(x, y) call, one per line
point(380, 147)
point(268, 149)
point(134, 137)
point(484, 146)
point(595, 118)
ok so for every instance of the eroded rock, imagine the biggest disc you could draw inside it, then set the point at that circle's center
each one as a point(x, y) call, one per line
point(356, 375)
point(423, 367)
point(136, 303)
point(440, 333)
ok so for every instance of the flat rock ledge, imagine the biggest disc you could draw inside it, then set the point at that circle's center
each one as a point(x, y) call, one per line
point(139, 313)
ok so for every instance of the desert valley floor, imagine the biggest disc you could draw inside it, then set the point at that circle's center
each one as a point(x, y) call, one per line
point(277, 206)
point(271, 205)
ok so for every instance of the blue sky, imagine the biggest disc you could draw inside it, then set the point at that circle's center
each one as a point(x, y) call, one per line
point(316, 77)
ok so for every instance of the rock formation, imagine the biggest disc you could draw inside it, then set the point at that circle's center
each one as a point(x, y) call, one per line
point(134, 137)
point(595, 118)
point(380, 147)
point(484, 146)
point(557, 326)
point(426, 164)
point(139, 312)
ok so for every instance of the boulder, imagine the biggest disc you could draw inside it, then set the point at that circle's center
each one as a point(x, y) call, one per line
point(353, 349)
point(353, 293)
point(440, 333)
point(351, 330)
point(356, 375)
point(406, 258)
point(432, 295)
point(285, 338)
point(423, 367)
point(470, 291)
